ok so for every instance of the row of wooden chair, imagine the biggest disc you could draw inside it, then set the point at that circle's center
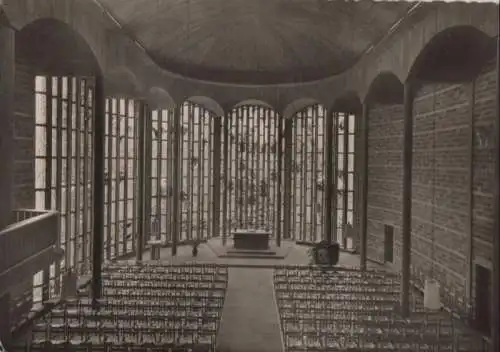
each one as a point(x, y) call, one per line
point(351, 310)
point(143, 308)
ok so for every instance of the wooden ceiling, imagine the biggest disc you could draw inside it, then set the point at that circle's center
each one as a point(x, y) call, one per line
point(256, 41)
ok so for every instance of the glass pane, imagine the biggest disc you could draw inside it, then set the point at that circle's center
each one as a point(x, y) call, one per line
point(351, 143)
point(40, 108)
point(340, 143)
point(340, 200)
point(73, 143)
point(350, 162)
point(40, 173)
point(350, 200)
point(54, 142)
point(40, 141)
point(54, 85)
point(64, 143)
point(54, 173)
point(340, 123)
point(54, 111)
point(40, 83)
point(352, 121)
point(340, 162)
point(40, 200)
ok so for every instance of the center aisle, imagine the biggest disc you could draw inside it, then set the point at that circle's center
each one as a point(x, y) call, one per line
point(250, 320)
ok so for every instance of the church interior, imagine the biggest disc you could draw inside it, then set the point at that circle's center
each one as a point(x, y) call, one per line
point(249, 176)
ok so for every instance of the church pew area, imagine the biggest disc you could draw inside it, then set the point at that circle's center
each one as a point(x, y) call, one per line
point(148, 307)
point(345, 309)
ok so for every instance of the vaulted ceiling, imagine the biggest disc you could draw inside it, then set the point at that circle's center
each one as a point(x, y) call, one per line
point(256, 41)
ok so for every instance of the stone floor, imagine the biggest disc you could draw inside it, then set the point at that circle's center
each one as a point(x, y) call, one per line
point(250, 320)
point(208, 253)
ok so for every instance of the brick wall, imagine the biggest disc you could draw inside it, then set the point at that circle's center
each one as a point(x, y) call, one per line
point(24, 132)
point(385, 175)
point(446, 195)
point(440, 184)
point(483, 162)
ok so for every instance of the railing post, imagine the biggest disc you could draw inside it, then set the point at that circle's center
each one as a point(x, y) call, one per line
point(7, 71)
point(98, 199)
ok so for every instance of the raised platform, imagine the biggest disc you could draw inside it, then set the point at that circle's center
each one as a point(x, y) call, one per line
point(228, 251)
point(256, 254)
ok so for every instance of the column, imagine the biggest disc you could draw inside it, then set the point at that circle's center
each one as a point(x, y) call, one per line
point(335, 173)
point(148, 159)
point(279, 154)
point(176, 178)
point(7, 73)
point(495, 326)
point(227, 176)
point(143, 178)
point(345, 176)
point(329, 163)
point(287, 178)
point(98, 199)
point(363, 221)
point(216, 176)
point(407, 199)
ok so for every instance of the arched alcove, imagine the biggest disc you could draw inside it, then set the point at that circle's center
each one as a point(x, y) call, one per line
point(207, 103)
point(344, 150)
point(298, 105)
point(384, 166)
point(251, 166)
point(304, 169)
point(455, 54)
point(158, 98)
point(122, 82)
point(453, 152)
point(55, 87)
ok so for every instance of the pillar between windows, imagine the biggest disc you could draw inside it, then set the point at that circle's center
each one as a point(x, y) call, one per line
point(7, 73)
point(407, 197)
point(329, 177)
point(98, 199)
point(227, 175)
point(287, 178)
point(363, 223)
point(279, 190)
point(143, 178)
point(176, 178)
point(495, 302)
point(216, 176)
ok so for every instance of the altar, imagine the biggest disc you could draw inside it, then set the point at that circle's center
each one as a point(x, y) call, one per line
point(251, 239)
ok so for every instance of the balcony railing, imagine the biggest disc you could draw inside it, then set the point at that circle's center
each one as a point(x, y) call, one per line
point(27, 246)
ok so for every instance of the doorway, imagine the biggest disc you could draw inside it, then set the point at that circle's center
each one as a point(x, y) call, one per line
point(388, 244)
point(483, 299)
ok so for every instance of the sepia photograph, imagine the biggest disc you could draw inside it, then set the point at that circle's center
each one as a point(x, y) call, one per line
point(249, 176)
